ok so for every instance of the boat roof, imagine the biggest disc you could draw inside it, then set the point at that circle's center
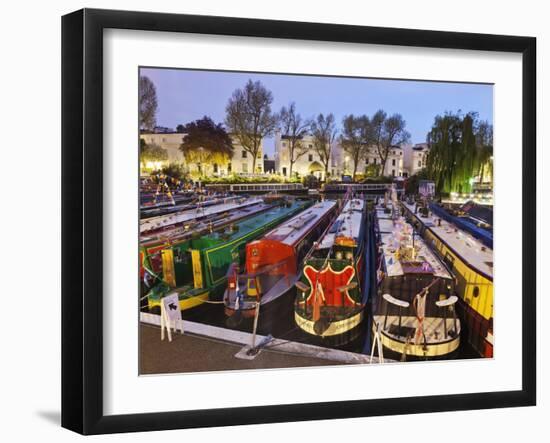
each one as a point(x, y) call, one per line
point(385, 222)
point(396, 267)
point(256, 221)
point(183, 216)
point(176, 233)
point(460, 242)
point(347, 224)
point(294, 229)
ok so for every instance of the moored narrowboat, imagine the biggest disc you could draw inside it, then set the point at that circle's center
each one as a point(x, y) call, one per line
point(414, 310)
point(272, 264)
point(196, 213)
point(330, 301)
point(471, 262)
point(196, 268)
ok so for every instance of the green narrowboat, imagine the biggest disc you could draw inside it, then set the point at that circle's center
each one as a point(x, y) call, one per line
point(196, 268)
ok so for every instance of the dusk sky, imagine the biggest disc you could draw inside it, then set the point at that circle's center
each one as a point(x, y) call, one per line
point(184, 96)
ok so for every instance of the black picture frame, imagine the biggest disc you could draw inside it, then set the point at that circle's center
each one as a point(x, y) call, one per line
point(82, 190)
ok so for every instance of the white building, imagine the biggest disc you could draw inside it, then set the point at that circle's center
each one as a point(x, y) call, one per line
point(415, 157)
point(340, 162)
point(240, 163)
point(394, 162)
point(307, 163)
point(171, 142)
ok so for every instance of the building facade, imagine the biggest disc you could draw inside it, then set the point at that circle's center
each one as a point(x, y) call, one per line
point(415, 157)
point(240, 163)
point(393, 167)
point(308, 162)
point(340, 162)
point(403, 161)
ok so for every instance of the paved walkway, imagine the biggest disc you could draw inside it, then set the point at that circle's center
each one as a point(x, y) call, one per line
point(190, 353)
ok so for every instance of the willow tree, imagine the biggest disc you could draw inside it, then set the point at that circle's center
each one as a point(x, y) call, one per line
point(249, 117)
point(323, 129)
point(453, 160)
point(484, 141)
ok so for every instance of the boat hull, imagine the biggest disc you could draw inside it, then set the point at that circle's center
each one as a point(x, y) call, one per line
point(338, 334)
point(397, 348)
point(271, 318)
point(186, 303)
point(475, 290)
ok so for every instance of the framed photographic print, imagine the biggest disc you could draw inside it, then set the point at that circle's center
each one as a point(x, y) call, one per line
point(270, 221)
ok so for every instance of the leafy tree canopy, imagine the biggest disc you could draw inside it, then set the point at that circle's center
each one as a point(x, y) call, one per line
point(460, 147)
point(152, 153)
point(206, 141)
point(147, 104)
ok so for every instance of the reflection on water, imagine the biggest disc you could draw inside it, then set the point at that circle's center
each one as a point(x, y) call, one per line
point(277, 319)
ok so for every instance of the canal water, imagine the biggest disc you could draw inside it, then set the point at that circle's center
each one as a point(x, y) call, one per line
point(281, 325)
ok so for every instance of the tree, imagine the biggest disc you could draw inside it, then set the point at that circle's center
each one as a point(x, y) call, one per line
point(454, 157)
point(372, 171)
point(293, 129)
point(206, 142)
point(394, 134)
point(147, 104)
point(175, 171)
point(323, 130)
point(180, 129)
point(152, 153)
point(249, 117)
point(355, 138)
point(484, 142)
point(412, 182)
point(377, 125)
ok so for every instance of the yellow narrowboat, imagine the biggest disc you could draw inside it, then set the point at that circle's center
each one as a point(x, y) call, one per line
point(472, 265)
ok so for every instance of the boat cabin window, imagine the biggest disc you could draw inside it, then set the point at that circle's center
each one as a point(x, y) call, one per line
point(449, 260)
point(475, 293)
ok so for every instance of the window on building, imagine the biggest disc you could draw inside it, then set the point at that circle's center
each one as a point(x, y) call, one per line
point(229, 168)
point(419, 163)
point(284, 171)
point(310, 146)
point(284, 144)
point(393, 161)
point(245, 167)
point(367, 161)
point(310, 157)
point(393, 172)
point(374, 161)
point(393, 152)
point(215, 167)
point(244, 155)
